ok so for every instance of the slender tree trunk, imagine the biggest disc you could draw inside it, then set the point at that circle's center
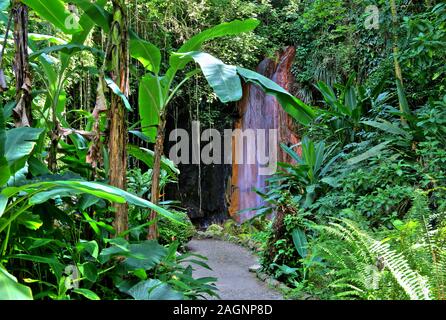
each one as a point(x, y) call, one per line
point(118, 130)
point(398, 73)
point(155, 192)
point(22, 111)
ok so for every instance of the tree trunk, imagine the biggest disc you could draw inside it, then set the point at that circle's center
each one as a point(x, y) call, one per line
point(155, 192)
point(22, 111)
point(398, 73)
point(118, 130)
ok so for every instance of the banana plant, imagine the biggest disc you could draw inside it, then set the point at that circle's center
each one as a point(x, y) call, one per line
point(156, 90)
point(18, 195)
point(54, 68)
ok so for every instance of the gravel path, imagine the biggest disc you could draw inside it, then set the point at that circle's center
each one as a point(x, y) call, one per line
point(230, 263)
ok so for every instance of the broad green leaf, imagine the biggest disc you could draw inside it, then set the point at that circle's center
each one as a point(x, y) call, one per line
point(350, 98)
point(46, 37)
point(404, 105)
point(89, 271)
point(327, 93)
point(94, 14)
point(54, 11)
point(145, 255)
point(146, 53)
point(3, 203)
point(293, 106)
point(10, 289)
point(91, 247)
point(7, 109)
point(112, 85)
point(90, 295)
point(55, 265)
point(147, 156)
point(68, 49)
point(389, 128)
point(300, 242)
point(19, 145)
point(29, 220)
point(130, 198)
point(291, 152)
point(224, 29)
point(150, 101)
point(372, 152)
point(223, 78)
point(154, 289)
point(72, 189)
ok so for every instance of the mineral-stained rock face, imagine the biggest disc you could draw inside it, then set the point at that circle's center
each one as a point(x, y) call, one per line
point(260, 111)
point(221, 193)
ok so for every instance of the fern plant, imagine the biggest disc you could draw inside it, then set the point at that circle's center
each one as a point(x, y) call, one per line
point(366, 268)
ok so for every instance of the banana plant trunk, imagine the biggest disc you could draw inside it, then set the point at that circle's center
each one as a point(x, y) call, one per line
point(156, 171)
point(22, 111)
point(117, 125)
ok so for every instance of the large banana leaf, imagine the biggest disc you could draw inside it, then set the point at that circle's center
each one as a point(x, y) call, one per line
point(150, 101)
point(42, 191)
point(54, 11)
point(94, 13)
point(147, 156)
point(223, 78)
point(69, 48)
point(10, 289)
point(222, 30)
point(293, 106)
point(146, 53)
point(19, 144)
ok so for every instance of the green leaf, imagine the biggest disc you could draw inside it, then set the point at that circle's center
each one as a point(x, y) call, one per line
point(46, 37)
point(147, 156)
point(145, 255)
point(91, 247)
point(19, 145)
point(293, 106)
point(10, 289)
point(69, 49)
point(29, 220)
point(89, 271)
point(87, 294)
point(146, 53)
point(327, 93)
point(402, 98)
point(150, 101)
point(221, 77)
point(94, 14)
point(224, 29)
point(389, 128)
point(153, 289)
point(300, 242)
point(3, 203)
point(53, 11)
point(372, 152)
point(112, 85)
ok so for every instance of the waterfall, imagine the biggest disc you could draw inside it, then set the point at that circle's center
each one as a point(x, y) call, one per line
point(260, 111)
